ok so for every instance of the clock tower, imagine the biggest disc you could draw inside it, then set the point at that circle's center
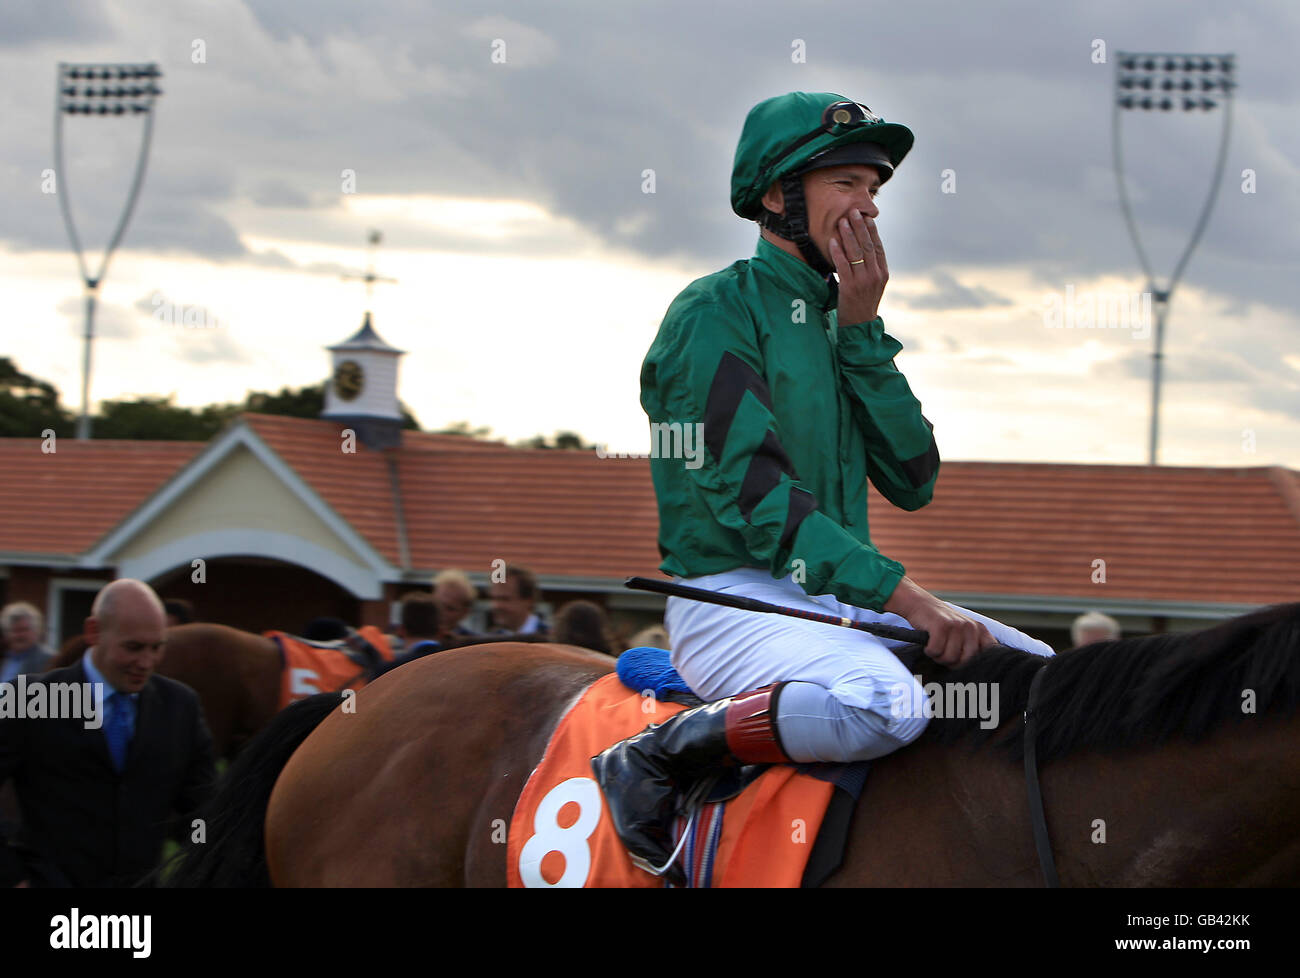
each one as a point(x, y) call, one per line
point(362, 389)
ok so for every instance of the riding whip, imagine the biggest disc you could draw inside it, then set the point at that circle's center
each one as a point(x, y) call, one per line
point(751, 604)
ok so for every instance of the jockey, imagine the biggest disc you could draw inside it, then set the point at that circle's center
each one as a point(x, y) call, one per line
point(788, 376)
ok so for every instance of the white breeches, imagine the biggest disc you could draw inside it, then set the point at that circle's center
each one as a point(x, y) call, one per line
point(850, 698)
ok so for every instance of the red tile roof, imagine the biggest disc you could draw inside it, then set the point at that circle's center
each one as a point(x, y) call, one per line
point(557, 512)
point(355, 485)
point(1227, 536)
point(1204, 535)
point(467, 503)
point(63, 502)
point(1219, 536)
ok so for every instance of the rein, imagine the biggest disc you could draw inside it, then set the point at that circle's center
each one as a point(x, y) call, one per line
point(1037, 817)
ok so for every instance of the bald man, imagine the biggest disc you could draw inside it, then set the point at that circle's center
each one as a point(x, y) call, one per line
point(97, 794)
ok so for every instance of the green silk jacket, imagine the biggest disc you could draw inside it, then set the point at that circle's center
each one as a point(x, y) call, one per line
point(794, 413)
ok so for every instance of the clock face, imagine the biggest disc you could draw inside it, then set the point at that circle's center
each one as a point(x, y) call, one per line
point(348, 379)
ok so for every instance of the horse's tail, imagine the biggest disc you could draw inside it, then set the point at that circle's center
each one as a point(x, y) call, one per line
point(234, 853)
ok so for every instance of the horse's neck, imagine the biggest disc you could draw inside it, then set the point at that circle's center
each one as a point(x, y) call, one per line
point(1221, 812)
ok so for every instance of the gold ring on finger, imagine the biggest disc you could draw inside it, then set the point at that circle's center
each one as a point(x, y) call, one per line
point(858, 262)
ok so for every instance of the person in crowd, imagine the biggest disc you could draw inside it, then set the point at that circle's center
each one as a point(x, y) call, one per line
point(1093, 627)
point(455, 597)
point(98, 788)
point(584, 624)
point(513, 602)
point(420, 624)
point(419, 630)
point(22, 625)
point(650, 637)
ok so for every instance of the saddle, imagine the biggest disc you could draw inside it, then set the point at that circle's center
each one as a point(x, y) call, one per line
point(757, 825)
point(310, 667)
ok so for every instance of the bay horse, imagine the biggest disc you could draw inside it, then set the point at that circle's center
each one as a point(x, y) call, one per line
point(235, 673)
point(1166, 760)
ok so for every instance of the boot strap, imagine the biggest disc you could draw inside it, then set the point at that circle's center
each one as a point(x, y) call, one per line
point(752, 736)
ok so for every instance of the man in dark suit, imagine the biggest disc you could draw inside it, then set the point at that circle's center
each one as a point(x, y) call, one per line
point(97, 795)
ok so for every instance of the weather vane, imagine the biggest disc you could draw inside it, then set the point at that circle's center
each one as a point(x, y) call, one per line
point(373, 238)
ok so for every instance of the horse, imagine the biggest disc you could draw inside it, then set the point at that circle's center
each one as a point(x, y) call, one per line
point(236, 674)
point(1179, 752)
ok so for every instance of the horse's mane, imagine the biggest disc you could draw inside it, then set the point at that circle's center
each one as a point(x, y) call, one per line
point(1131, 692)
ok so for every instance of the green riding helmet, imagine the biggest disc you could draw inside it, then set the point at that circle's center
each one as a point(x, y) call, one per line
point(786, 136)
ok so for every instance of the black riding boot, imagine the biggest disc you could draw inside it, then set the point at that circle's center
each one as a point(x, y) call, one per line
point(642, 776)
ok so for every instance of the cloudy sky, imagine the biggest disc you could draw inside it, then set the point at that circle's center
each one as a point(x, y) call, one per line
point(502, 150)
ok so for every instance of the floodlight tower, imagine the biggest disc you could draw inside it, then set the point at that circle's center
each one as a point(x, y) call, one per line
point(1169, 82)
point(103, 91)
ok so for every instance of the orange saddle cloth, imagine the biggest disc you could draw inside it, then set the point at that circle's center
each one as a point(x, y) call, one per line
point(322, 667)
point(561, 833)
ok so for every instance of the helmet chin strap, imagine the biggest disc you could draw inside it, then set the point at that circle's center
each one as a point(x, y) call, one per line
point(793, 226)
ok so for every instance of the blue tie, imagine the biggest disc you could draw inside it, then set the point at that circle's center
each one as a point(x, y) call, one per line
point(118, 730)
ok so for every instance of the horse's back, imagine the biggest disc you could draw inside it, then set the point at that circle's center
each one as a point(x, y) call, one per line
point(413, 782)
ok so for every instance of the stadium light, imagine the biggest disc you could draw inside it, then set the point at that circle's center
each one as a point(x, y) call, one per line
point(1167, 83)
point(103, 91)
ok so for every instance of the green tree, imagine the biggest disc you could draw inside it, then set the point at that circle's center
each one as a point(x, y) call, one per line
point(572, 441)
point(28, 405)
point(158, 419)
point(563, 440)
point(464, 429)
point(306, 402)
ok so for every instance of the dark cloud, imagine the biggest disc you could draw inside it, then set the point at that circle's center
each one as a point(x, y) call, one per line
point(208, 182)
point(181, 227)
point(405, 93)
point(279, 193)
point(1263, 383)
point(1210, 369)
point(950, 294)
point(25, 22)
point(1280, 400)
point(271, 258)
